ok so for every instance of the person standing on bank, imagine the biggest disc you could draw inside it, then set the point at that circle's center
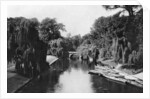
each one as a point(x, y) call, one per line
point(95, 56)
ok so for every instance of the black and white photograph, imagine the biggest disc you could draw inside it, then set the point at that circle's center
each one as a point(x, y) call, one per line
point(69, 48)
point(75, 49)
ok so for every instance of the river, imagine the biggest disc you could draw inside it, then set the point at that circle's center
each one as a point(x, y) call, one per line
point(66, 76)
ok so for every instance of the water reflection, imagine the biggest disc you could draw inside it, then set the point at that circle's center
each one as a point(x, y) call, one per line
point(75, 80)
point(72, 77)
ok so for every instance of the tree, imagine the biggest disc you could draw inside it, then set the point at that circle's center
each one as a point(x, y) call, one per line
point(76, 40)
point(131, 9)
point(58, 47)
point(134, 22)
point(49, 29)
point(118, 34)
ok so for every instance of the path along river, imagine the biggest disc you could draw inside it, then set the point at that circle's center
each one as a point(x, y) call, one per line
point(72, 77)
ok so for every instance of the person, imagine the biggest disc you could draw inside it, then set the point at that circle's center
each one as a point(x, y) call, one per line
point(95, 56)
point(81, 57)
point(18, 59)
point(32, 61)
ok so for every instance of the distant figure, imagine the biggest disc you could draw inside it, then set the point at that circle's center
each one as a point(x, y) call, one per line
point(85, 58)
point(95, 56)
point(18, 59)
point(82, 57)
point(19, 51)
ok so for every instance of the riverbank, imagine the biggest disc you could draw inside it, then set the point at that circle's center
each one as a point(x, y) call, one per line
point(14, 80)
point(113, 71)
point(124, 68)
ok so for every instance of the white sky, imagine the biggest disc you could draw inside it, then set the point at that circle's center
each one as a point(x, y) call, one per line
point(77, 18)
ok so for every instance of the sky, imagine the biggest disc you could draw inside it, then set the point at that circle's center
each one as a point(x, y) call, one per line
point(78, 19)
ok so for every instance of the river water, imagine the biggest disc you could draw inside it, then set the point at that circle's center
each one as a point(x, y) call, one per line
point(66, 76)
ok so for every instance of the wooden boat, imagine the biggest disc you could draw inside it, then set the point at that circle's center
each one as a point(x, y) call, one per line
point(93, 72)
point(109, 76)
point(117, 76)
point(134, 83)
point(118, 80)
point(96, 72)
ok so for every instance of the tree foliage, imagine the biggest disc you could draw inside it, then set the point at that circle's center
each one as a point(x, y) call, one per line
point(131, 9)
point(49, 29)
point(58, 48)
point(21, 31)
point(119, 35)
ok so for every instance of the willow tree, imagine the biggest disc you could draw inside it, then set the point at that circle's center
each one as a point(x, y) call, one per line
point(49, 32)
point(11, 43)
point(58, 47)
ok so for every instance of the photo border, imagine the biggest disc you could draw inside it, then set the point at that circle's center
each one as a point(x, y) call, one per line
point(3, 60)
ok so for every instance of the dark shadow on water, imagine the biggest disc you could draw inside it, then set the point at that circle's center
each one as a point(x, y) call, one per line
point(103, 85)
point(72, 76)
